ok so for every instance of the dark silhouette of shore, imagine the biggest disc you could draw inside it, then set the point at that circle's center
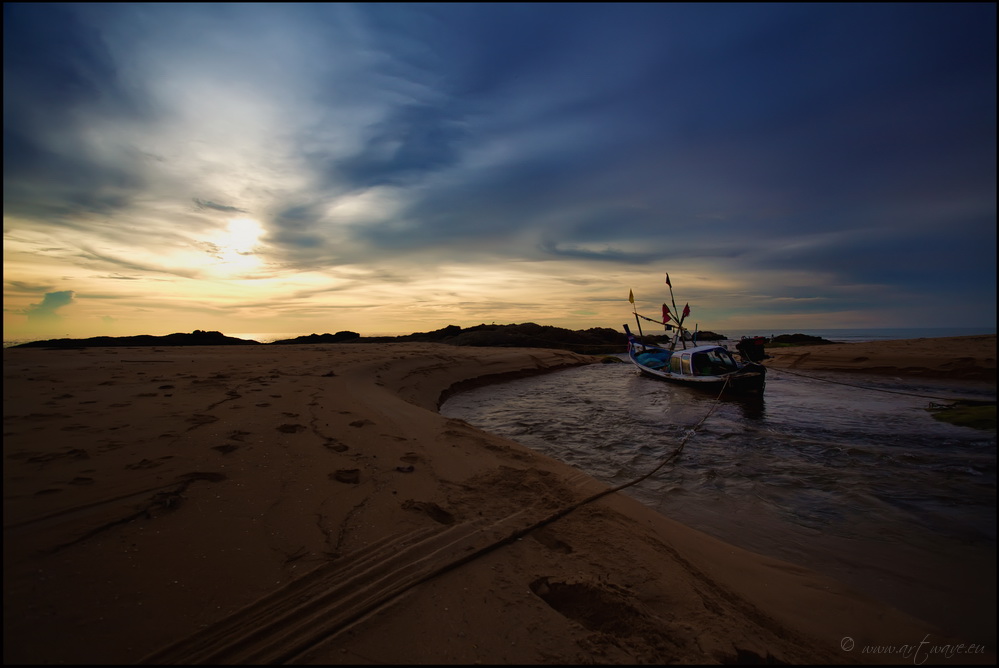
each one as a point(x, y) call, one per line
point(593, 341)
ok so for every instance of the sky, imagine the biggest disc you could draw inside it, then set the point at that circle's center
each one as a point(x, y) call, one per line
point(395, 168)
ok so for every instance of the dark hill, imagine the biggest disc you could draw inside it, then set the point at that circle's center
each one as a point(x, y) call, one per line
point(195, 338)
point(593, 341)
point(339, 337)
point(799, 340)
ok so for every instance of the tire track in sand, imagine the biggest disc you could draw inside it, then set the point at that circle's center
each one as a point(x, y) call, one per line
point(313, 608)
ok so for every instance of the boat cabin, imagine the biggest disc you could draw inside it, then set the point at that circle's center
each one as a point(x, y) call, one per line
point(699, 361)
point(703, 361)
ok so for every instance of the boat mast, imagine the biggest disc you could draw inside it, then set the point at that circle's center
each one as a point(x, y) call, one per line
point(631, 298)
point(679, 326)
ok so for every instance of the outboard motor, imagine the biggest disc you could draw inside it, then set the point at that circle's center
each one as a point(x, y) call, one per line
point(752, 350)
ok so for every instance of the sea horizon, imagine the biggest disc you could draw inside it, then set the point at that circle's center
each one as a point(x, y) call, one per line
point(838, 335)
point(859, 334)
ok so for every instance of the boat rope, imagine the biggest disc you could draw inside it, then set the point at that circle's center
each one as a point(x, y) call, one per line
point(565, 510)
point(493, 545)
point(862, 387)
point(474, 554)
point(676, 452)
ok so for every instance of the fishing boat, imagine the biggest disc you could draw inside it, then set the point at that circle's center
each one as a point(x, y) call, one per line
point(708, 367)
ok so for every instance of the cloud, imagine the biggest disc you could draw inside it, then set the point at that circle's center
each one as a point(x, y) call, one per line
point(758, 142)
point(67, 86)
point(48, 309)
point(202, 204)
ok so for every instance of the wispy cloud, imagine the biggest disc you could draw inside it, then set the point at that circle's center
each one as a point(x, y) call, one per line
point(201, 204)
point(378, 147)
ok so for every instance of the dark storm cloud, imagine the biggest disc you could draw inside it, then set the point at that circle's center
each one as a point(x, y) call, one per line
point(800, 118)
point(411, 142)
point(57, 74)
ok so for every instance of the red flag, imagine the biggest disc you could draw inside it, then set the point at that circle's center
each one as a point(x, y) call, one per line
point(666, 314)
point(686, 310)
point(667, 281)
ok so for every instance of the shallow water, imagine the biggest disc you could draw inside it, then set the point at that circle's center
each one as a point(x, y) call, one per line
point(860, 484)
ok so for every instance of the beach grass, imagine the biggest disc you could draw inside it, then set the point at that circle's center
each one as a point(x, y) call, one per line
point(967, 413)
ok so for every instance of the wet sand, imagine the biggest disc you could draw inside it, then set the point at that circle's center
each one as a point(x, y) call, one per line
point(307, 504)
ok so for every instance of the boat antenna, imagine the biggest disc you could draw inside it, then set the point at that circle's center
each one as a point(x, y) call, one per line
point(631, 298)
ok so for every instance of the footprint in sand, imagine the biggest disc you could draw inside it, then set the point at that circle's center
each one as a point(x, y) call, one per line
point(595, 607)
point(144, 464)
point(73, 453)
point(200, 419)
point(74, 427)
point(349, 476)
point(291, 428)
point(431, 510)
point(335, 445)
point(546, 538)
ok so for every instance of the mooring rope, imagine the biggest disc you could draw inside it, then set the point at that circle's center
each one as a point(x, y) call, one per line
point(476, 553)
point(508, 539)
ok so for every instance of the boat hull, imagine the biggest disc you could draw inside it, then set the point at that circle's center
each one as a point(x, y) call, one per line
point(743, 378)
point(744, 382)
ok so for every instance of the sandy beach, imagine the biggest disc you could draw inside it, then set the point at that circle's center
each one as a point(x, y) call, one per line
point(956, 358)
point(307, 504)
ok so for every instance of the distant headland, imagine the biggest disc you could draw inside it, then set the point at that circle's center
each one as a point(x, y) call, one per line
point(593, 341)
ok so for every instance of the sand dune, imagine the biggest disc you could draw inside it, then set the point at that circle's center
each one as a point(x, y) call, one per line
point(307, 504)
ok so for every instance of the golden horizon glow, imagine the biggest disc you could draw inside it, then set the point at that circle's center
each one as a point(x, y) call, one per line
point(359, 300)
point(234, 248)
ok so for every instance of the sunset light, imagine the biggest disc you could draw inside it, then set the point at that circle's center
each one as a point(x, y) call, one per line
point(398, 168)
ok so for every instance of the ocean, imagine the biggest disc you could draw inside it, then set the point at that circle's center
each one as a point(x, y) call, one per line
point(855, 482)
point(859, 335)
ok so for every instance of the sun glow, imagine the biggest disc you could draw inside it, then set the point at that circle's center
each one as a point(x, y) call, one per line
point(234, 249)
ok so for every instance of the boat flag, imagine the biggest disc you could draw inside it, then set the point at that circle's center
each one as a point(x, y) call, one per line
point(667, 281)
point(631, 296)
point(666, 314)
point(686, 310)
